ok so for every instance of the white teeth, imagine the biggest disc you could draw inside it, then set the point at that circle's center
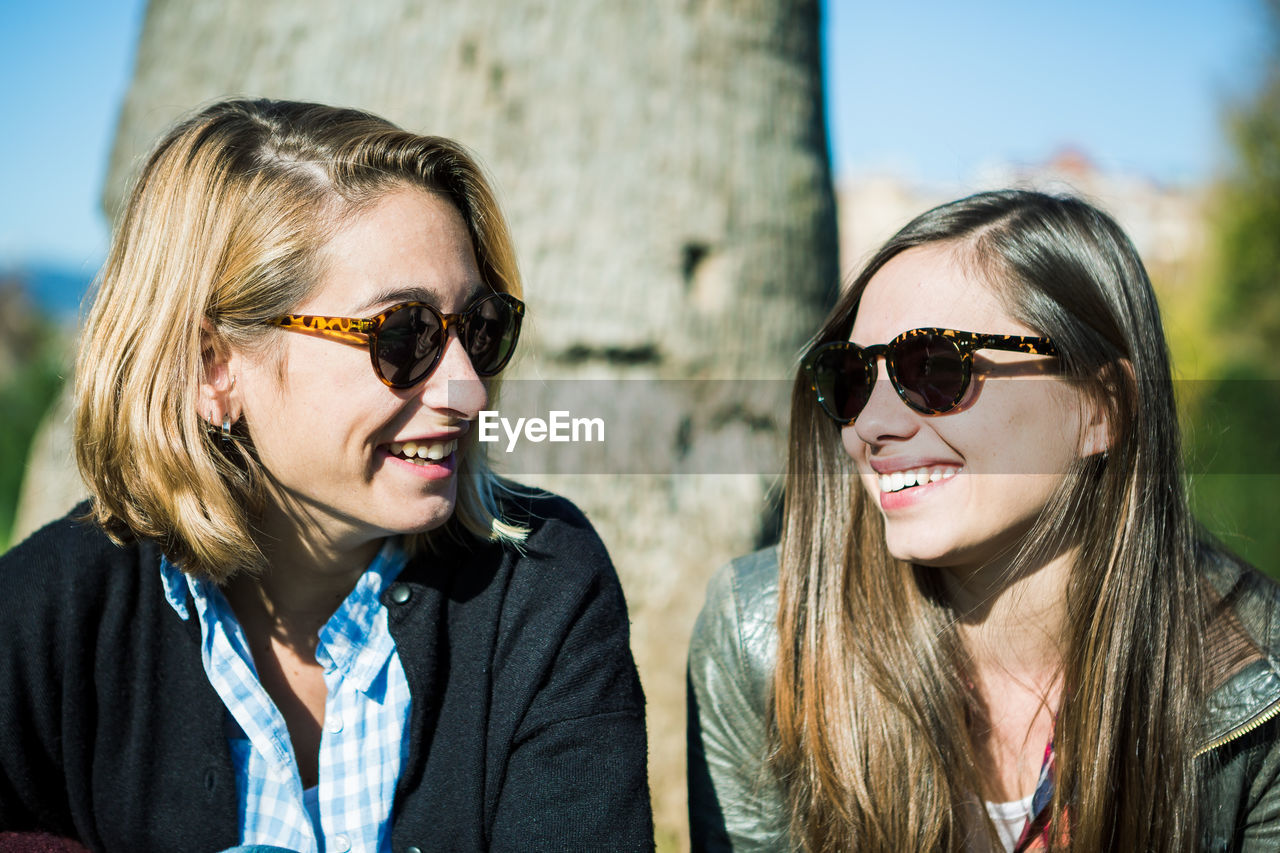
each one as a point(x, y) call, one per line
point(438, 451)
point(899, 480)
point(421, 452)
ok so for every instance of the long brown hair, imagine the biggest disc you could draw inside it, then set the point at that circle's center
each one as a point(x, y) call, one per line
point(870, 696)
point(224, 226)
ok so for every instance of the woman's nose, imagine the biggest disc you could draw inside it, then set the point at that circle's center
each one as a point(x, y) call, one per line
point(455, 386)
point(885, 416)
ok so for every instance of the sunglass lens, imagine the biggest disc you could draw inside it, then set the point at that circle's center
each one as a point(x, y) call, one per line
point(489, 334)
point(840, 376)
point(930, 372)
point(409, 344)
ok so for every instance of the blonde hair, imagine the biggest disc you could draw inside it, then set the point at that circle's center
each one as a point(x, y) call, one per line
point(224, 225)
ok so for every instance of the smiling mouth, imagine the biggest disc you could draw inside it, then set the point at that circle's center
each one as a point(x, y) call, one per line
point(899, 480)
point(422, 453)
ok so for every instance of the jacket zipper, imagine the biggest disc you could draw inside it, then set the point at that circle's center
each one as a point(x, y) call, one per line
point(1271, 712)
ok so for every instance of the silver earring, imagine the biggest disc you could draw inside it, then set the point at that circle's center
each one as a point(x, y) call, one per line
point(226, 428)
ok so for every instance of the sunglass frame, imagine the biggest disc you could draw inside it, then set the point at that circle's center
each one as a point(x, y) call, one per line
point(966, 343)
point(363, 331)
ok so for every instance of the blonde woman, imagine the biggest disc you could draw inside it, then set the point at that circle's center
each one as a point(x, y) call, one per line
point(991, 623)
point(299, 611)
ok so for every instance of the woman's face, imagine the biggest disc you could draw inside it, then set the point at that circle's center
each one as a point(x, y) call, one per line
point(989, 466)
point(322, 422)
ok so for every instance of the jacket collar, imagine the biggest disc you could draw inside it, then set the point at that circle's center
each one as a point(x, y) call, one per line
point(1241, 644)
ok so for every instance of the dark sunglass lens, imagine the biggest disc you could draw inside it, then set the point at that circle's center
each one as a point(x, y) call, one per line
point(409, 343)
point(840, 376)
point(930, 371)
point(489, 333)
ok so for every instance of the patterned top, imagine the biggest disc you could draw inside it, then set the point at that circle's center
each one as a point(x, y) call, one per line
point(1035, 835)
point(363, 744)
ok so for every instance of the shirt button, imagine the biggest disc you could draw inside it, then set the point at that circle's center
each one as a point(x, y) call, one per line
point(333, 724)
point(413, 850)
point(341, 844)
point(400, 592)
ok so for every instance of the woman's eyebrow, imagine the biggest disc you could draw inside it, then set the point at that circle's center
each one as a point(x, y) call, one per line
point(417, 293)
point(394, 295)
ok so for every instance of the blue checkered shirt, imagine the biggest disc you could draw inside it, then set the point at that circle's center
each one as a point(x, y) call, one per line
point(363, 745)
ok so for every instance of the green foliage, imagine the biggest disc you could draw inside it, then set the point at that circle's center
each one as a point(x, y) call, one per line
point(1234, 461)
point(1233, 428)
point(25, 396)
point(1248, 235)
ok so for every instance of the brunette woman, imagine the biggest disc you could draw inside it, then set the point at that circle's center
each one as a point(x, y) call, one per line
point(992, 623)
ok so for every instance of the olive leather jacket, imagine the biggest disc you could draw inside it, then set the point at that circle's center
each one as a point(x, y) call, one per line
point(735, 803)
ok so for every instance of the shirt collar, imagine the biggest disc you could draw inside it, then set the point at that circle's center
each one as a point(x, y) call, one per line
point(175, 587)
point(356, 641)
point(354, 644)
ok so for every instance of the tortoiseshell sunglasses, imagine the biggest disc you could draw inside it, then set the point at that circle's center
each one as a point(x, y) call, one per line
point(406, 341)
point(929, 368)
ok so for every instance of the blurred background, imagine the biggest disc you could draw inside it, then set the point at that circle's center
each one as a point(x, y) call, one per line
point(681, 172)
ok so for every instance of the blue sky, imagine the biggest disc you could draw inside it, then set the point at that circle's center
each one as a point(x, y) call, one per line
point(935, 89)
point(930, 91)
point(64, 68)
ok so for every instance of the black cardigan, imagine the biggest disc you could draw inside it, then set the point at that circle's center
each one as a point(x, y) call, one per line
point(527, 717)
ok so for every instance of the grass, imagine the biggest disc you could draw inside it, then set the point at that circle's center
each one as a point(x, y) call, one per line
point(25, 397)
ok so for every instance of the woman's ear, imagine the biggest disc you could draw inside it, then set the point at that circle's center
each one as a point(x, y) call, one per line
point(219, 400)
point(1099, 430)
